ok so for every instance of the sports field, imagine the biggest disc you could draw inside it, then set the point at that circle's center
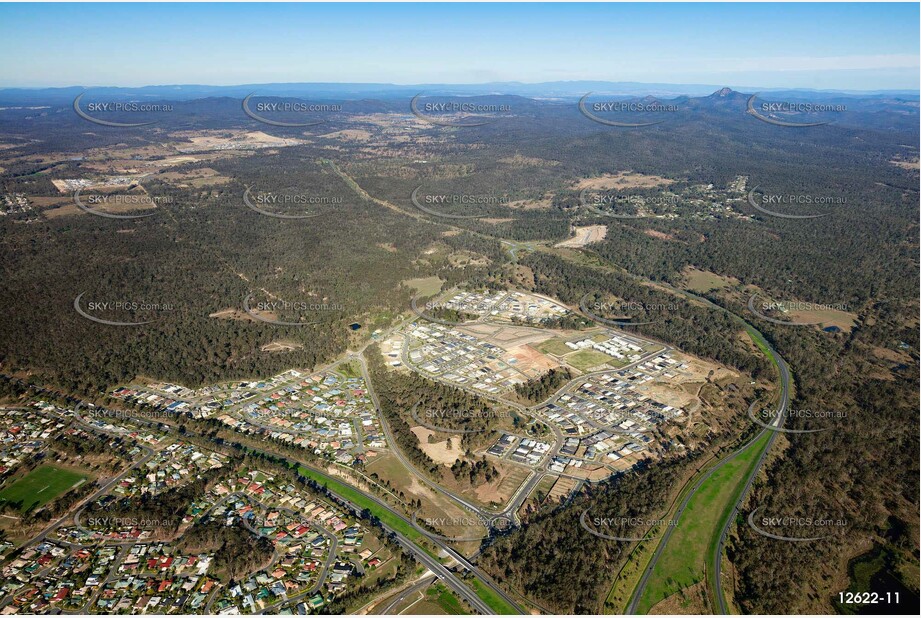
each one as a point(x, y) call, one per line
point(40, 487)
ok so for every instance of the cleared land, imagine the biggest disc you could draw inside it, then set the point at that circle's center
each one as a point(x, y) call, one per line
point(426, 286)
point(435, 506)
point(826, 318)
point(445, 452)
point(555, 346)
point(281, 346)
point(585, 235)
point(585, 360)
point(623, 180)
point(702, 281)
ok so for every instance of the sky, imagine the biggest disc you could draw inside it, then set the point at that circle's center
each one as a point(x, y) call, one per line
point(870, 46)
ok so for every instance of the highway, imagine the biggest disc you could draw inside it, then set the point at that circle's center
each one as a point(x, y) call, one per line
point(776, 424)
point(434, 565)
point(445, 574)
point(414, 589)
point(510, 511)
point(443, 545)
point(716, 558)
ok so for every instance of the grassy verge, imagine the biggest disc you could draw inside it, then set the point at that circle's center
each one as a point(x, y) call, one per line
point(492, 599)
point(385, 515)
point(350, 369)
point(629, 576)
point(446, 600)
point(752, 455)
point(684, 561)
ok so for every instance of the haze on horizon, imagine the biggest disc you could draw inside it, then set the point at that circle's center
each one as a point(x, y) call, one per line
point(819, 46)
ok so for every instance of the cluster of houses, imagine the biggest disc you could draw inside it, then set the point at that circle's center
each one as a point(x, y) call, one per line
point(320, 547)
point(709, 201)
point(610, 401)
point(30, 579)
point(559, 464)
point(211, 399)
point(167, 399)
point(519, 306)
point(320, 550)
point(67, 185)
point(660, 365)
point(174, 466)
point(156, 579)
point(328, 406)
point(23, 433)
point(15, 203)
point(204, 402)
point(518, 449)
point(475, 302)
point(326, 413)
point(510, 306)
point(140, 578)
point(450, 355)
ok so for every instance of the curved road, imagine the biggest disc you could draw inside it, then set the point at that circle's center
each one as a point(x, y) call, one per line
point(445, 574)
point(784, 374)
point(422, 585)
point(781, 412)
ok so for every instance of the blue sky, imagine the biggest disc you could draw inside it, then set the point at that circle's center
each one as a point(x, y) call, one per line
point(842, 46)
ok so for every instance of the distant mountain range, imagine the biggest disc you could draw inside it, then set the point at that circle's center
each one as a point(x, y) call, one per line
point(561, 90)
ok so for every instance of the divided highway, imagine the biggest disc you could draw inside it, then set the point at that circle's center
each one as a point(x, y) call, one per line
point(715, 559)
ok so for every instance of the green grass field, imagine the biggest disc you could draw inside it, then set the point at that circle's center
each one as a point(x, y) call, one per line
point(583, 360)
point(555, 346)
point(703, 281)
point(446, 600)
point(350, 369)
point(426, 286)
point(684, 561)
point(40, 487)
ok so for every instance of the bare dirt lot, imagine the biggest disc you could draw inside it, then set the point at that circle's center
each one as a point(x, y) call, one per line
point(281, 346)
point(231, 314)
point(530, 360)
point(195, 178)
point(623, 180)
point(445, 452)
point(561, 488)
point(507, 336)
point(659, 235)
point(355, 135)
point(584, 236)
point(907, 165)
point(498, 491)
point(222, 140)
